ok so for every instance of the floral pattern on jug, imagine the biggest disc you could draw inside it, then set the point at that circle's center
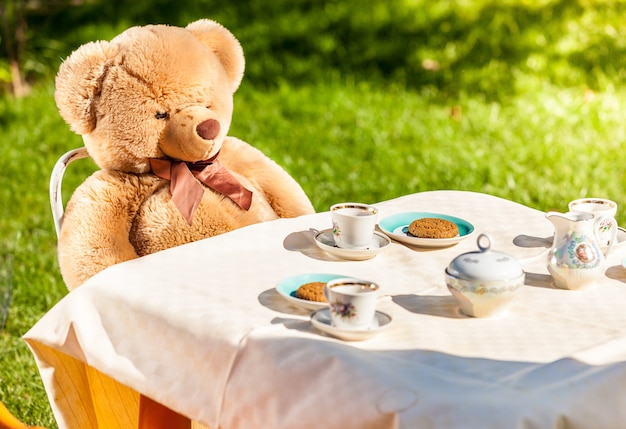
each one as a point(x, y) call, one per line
point(581, 253)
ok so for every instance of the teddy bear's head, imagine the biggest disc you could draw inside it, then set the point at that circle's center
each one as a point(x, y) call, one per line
point(152, 92)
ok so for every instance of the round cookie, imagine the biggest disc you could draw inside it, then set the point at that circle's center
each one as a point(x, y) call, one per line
point(429, 227)
point(312, 291)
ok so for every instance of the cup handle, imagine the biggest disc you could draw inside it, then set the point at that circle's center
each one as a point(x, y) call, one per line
point(606, 222)
point(325, 291)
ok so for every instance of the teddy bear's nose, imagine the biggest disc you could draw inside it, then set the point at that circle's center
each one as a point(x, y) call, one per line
point(208, 129)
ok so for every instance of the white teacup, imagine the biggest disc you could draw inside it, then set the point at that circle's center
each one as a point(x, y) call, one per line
point(353, 224)
point(604, 211)
point(352, 302)
point(598, 206)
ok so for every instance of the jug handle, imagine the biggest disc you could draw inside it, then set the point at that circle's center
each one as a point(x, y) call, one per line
point(598, 225)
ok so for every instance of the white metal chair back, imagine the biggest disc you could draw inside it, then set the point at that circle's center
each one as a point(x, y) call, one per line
point(56, 180)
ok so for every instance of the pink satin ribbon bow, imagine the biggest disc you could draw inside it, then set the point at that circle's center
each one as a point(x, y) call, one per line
point(187, 191)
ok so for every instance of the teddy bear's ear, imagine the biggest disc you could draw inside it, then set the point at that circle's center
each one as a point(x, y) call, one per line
point(78, 83)
point(224, 44)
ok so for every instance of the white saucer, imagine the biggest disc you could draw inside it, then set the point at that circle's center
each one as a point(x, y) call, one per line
point(325, 241)
point(321, 320)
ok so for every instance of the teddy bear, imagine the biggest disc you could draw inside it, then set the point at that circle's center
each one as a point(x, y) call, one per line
point(154, 106)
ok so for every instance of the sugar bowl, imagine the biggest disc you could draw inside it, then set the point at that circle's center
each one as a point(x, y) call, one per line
point(484, 282)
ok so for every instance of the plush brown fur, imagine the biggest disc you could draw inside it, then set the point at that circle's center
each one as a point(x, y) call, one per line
point(141, 96)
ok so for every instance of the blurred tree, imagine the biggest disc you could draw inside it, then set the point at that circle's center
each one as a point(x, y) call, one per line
point(478, 46)
point(14, 38)
point(25, 40)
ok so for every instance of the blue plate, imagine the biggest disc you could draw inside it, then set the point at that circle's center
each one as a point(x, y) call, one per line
point(287, 288)
point(396, 227)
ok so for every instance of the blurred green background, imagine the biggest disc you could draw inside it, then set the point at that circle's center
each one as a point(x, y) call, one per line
point(473, 46)
point(358, 100)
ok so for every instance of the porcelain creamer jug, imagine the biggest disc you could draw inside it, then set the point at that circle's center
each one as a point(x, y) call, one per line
point(576, 260)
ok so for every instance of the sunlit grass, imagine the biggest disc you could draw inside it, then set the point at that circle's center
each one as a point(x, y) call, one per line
point(373, 143)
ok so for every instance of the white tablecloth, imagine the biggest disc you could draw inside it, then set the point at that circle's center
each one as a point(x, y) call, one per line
point(201, 329)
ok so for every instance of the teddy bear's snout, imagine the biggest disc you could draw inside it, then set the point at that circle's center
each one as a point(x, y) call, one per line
point(208, 129)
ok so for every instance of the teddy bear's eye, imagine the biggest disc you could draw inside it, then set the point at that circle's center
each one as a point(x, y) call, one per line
point(161, 115)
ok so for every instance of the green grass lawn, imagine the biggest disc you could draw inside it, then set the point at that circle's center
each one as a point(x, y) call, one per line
point(360, 141)
point(541, 122)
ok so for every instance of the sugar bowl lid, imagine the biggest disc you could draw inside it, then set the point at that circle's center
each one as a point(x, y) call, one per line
point(485, 264)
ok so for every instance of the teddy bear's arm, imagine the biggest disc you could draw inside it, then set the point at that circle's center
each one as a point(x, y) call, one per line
point(96, 225)
point(284, 194)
